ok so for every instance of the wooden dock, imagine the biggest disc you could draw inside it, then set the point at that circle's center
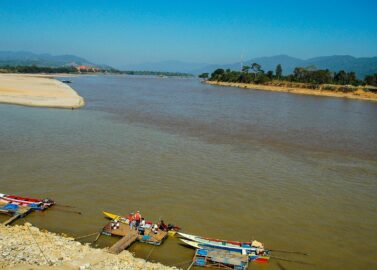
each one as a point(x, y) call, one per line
point(123, 230)
point(21, 212)
point(124, 242)
point(129, 236)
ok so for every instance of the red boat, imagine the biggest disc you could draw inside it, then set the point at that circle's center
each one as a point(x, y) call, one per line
point(37, 204)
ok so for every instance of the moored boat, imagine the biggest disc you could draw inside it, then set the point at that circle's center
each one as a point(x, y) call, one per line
point(254, 250)
point(35, 204)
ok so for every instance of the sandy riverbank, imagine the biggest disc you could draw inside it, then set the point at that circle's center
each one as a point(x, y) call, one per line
point(39, 91)
point(27, 247)
point(358, 94)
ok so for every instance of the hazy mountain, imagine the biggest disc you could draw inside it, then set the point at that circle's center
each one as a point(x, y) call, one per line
point(167, 66)
point(45, 60)
point(362, 66)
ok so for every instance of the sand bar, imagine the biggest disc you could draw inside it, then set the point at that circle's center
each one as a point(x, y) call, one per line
point(358, 94)
point(37, 91)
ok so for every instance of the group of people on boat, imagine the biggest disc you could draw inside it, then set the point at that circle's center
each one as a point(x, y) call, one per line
point(137, 222)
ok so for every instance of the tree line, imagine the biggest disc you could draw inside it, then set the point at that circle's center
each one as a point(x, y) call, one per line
point(71, 69)
point(48, 70)
point(37, 69)
point(310, 75)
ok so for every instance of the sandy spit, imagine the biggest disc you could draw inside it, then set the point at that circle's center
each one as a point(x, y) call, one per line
point(27, 247)
point(359, 94)
point(39, 91)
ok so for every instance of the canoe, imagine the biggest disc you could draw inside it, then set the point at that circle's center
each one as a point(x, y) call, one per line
point(263, 257)
point(36, 204)
point(255, 253)
point(116, 217)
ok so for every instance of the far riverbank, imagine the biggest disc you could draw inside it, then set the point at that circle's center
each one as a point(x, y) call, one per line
point(296, 89)
point(38, 91)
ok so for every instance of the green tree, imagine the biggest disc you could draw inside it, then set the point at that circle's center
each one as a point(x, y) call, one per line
point(371, 79)
point(204, 75)
point(351, 77)
point(256, 69)
point(270, 74)
point(278, 71)
point(340, 77)
point(217, 74)
point(245, 69)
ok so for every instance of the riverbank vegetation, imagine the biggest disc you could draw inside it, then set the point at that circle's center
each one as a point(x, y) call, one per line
point(52, 70)
point(302, 77)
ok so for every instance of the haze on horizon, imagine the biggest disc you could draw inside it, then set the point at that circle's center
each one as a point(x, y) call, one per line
point(130, 32)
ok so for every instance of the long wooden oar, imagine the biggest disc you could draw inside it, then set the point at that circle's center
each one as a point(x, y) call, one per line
point(64, 205)
point(287, 251)
point(281, 266)
point(86, 236)
point(69, 211)
point(287, 260)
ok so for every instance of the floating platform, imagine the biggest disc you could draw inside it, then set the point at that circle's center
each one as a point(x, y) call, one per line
point(124, 243)
point(129, 236)
point(217, 258)
point(15, 211)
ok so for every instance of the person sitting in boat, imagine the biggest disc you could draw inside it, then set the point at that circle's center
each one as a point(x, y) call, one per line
point(257, 244)
point(137, 219)
point(141, 229)
point(162, 226)
point(155, 229)
point(142, 222)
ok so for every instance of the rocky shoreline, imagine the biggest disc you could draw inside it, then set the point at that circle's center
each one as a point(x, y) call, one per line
point(27, 247)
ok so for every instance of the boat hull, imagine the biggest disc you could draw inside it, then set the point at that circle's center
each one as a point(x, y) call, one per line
point(35, 204)
point(252, 257)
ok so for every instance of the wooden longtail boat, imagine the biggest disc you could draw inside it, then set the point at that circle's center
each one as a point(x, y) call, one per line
point(35, 204)
point(258, 254)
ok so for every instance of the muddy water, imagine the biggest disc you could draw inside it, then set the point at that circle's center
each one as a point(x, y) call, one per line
point(298, 173)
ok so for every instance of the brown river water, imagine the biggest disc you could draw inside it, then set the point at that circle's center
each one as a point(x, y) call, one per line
point(298, 173)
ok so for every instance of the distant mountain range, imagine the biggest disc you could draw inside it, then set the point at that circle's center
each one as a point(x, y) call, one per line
point(362, 66)
point(24, 58)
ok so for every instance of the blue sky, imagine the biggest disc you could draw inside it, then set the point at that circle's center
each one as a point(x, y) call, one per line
point(210, 31)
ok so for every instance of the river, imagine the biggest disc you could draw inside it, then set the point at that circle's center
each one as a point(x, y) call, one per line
point(298, 173)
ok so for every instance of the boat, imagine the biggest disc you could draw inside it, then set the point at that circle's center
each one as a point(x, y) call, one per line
point(116, 217)
point(172, 230)
point(35, 204)
point(255, 253)
point(222, 259)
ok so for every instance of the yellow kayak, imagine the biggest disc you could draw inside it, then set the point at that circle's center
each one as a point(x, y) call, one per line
point(115, 217)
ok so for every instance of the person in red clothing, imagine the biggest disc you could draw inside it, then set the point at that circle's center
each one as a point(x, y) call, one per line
point(131, 220)
point(137, 219)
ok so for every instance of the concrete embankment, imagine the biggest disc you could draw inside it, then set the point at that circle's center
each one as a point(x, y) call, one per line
point(37, 91)
point(27, 247)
